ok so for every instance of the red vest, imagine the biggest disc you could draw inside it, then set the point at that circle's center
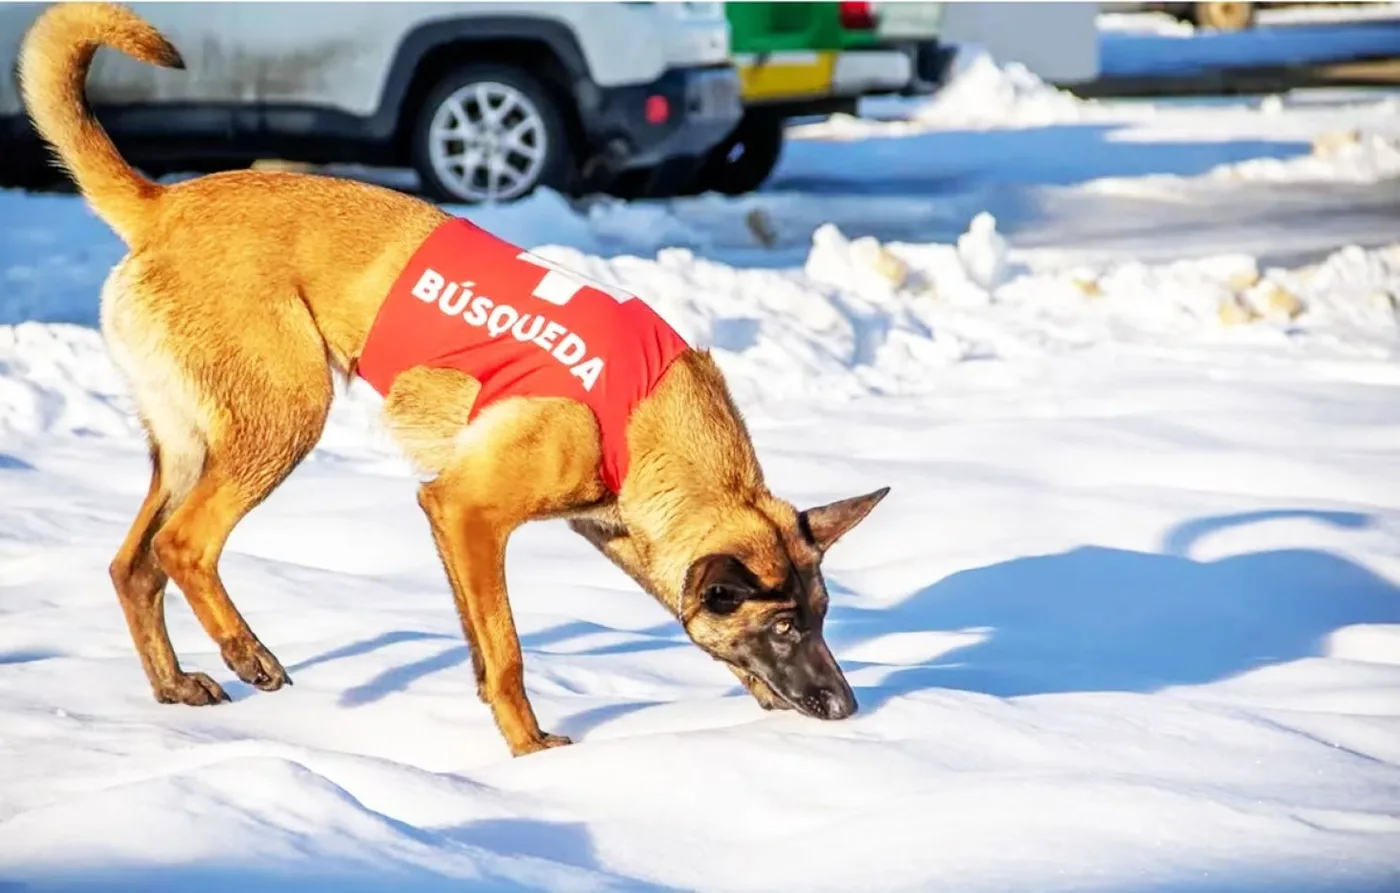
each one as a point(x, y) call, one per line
point(521, 326)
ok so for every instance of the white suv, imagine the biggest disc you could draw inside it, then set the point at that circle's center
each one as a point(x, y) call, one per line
point(484, 100)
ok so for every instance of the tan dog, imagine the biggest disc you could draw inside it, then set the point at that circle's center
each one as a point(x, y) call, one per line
point(243, 291)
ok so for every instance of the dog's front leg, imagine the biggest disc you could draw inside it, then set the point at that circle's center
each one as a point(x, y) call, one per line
point(472, 544)
point(519, 460)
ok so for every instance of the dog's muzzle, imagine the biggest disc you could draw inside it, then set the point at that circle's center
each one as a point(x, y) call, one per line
point(828, 703)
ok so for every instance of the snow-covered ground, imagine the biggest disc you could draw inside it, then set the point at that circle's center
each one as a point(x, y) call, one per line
point(1297, 34)
point(1129, 620)
point(1326, 13)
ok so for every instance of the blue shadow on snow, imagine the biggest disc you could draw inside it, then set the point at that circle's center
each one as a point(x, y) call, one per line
point(1092, 618)
point(567, 846)
point(13, 463)
point(945, 161)
point(1293, 44)
point(1104, 619)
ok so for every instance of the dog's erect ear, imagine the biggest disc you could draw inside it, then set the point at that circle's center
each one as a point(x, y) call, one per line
point(826, 524)
point(719, 583)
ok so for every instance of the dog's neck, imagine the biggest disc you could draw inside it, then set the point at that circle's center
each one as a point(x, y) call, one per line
point(688, 435)
point(691, 463)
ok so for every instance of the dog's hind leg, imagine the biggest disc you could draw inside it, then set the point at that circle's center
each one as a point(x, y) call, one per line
point(262, 434)
point(189, 546)
point(140, 584)
point(177, 455)
point(239, 403)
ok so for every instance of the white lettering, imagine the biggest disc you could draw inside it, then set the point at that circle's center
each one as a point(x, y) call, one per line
point(552, 330)
point(480, 307)
point(519, 331)
point(450, 307)
point(565, 347)
point(588, 372)
point(573, 343)
point(429, 284)
point(501, 319)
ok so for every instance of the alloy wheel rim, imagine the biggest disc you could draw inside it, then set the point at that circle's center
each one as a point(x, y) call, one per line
point(487, 142)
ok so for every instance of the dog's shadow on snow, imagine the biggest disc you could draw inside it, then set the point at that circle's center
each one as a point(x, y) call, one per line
point(1104, 619)
point(454, 653)
point(1090, 619)
point(13, 463)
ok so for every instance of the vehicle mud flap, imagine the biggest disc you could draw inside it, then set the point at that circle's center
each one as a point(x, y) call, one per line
point(600, 170)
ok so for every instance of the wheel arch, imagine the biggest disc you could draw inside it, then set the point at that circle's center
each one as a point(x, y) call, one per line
point(540, 47)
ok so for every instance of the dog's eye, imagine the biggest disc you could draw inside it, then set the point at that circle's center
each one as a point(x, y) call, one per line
point(783, 627)
point(721, 599)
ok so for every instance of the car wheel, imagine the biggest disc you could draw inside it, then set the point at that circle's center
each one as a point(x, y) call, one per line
point(1223, 16)
point(744, 159)
point(489, 133)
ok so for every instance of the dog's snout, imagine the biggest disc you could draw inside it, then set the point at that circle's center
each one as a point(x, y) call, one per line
point(829, 703)
point(839, 704)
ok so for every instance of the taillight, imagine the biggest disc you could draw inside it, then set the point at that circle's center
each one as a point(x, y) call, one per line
point(857, 16)
point(657, 109)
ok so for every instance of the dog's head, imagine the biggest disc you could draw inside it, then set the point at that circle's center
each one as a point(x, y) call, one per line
point(756, 599)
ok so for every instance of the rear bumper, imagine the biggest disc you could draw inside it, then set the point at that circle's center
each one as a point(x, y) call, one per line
point(862, 72)
point(702, 106)
point(796, 84)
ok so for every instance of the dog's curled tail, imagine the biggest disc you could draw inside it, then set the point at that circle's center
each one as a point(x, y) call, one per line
point(53, 66)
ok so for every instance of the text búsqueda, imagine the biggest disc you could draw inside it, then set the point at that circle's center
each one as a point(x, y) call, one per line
point(457, 299)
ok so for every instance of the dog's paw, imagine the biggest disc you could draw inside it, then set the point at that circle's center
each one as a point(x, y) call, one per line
point(194, 689)
point(254, 664)
point(544, 742)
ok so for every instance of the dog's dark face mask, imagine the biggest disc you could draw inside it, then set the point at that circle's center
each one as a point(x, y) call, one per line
point(772, 630)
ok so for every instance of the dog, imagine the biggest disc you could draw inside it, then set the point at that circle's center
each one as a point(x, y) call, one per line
point(244, 293)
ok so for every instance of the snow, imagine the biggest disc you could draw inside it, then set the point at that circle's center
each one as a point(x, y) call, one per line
point(981, 93)
point(1160, 23)
point(1295, 35)
point(1129, 619)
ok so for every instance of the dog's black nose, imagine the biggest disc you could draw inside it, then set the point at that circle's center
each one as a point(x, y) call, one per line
point(838, 704)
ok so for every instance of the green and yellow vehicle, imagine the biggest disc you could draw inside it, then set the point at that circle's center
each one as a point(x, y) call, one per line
point(798, 59)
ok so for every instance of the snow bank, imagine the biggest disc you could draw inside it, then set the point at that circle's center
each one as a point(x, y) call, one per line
point(860, 317)
point(981, 93)
point(251, 819)
point(1159, 23)
point(1346, 157)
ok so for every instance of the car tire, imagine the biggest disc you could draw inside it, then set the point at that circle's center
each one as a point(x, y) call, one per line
point(742, 161)
point(1223, 16)
point(490, 132)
